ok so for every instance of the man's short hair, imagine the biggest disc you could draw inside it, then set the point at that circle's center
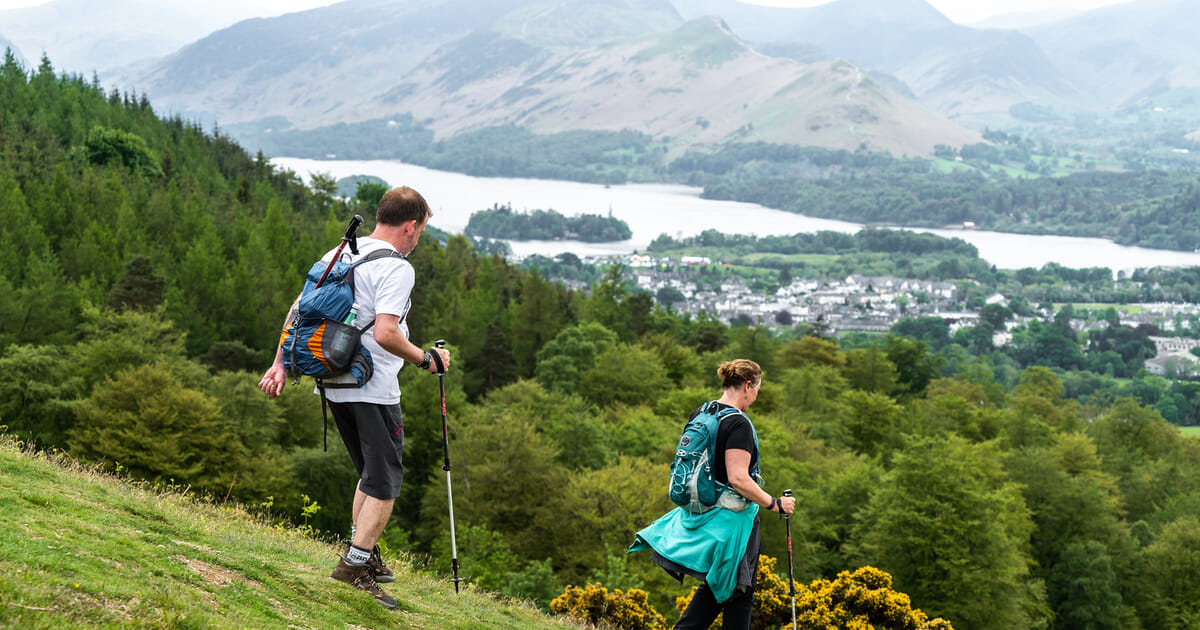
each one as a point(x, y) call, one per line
point(400, 205)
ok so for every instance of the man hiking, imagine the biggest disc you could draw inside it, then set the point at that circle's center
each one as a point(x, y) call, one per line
point(369, 417)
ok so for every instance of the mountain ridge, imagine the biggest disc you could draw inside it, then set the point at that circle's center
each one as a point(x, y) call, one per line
point(547, 66)
point(83, 36)
point(956, 70)
point(1152, 50)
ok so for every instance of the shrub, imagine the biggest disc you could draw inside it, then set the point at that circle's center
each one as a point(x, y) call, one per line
point(627, 610)
point(862, 599)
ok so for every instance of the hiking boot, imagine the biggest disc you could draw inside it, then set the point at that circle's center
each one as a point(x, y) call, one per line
point(361, 578)
point(382, 573)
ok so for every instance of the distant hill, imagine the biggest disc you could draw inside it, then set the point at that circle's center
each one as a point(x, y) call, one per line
point(306, 65)
point(698, 85)
point(956, 70)
point(83, 36)
point(545, 66)
point(1022, 20)
point(1119, 54)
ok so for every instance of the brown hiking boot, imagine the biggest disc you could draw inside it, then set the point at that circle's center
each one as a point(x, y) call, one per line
point(382, 573)
point(361, 578)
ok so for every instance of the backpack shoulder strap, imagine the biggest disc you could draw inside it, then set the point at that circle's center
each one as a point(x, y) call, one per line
point(381, 253)
point(730, 411)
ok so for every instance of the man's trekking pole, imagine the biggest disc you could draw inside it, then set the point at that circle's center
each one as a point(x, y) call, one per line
point(350, 237)
point(441, 343)
point(787, 519)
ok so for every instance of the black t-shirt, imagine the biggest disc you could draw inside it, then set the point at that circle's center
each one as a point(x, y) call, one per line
point(735, 431)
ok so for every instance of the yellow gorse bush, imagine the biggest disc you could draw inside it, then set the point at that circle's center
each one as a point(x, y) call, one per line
point(858, 600)
point(594, 604)
point(862, 599)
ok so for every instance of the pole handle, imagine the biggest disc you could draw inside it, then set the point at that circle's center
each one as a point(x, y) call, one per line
point(350, 238)
point(441, 343)
point(352, 233)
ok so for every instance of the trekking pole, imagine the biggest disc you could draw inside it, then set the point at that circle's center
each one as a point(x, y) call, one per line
point(350, 237)
point(787, 519)
point(441, 343)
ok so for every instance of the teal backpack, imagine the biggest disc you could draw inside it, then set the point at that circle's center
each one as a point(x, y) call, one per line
point(692, 484)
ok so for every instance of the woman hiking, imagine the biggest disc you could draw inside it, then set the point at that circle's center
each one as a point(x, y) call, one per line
point(720, 546)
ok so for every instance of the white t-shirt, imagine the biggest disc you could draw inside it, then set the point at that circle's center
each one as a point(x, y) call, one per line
point(383, 285)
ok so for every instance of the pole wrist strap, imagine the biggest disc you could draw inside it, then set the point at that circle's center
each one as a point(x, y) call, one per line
point(437, 360)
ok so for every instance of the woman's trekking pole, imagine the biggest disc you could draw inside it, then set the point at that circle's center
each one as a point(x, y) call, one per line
point(441, 343)
point(787, 519)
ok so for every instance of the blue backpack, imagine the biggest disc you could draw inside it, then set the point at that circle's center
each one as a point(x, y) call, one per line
point(693, 486)
point(315, 341)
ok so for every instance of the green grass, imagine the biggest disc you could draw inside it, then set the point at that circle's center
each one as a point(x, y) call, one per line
point(949, 166)
point(80, 548)
point(1124, 309)
point(1192, 431)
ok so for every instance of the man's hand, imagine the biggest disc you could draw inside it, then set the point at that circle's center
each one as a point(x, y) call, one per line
point(273, 381)
point(444, 355)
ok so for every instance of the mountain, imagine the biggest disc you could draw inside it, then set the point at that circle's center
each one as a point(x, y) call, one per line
point(309, 64)
point(1119, 54)
point(956, 70)
point(545, 66)
point(575, 24)
point(83, 36)
point(698, 85)
point(1024, 20)
point(883, 19)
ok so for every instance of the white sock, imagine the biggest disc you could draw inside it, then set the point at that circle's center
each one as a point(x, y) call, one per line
point(358, 556)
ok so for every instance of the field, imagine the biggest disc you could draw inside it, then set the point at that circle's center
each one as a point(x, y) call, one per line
point(1192, 431)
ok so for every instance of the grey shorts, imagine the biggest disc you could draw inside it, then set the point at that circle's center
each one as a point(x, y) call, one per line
point(374, 436)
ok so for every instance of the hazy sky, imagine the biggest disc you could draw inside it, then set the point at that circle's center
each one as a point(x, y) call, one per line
point(961, 11)
point(268, 7)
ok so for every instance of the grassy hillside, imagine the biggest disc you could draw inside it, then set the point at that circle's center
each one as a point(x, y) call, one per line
point(81, 548)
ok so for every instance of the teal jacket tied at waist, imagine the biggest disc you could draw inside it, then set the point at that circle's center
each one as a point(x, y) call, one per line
point(712, 543)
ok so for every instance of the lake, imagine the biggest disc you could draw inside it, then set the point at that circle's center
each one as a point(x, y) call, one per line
point(653, 209)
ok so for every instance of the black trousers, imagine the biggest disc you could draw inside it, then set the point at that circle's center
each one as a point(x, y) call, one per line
point(703, 609)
